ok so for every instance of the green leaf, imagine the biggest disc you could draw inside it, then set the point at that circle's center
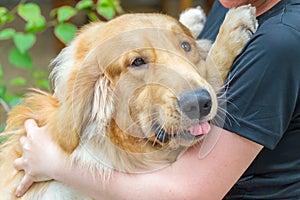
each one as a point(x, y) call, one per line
point(2, 137)
point(37, 74)
point(65, 13)
point(15, 101)
point(92, 16)
point(7, 33)
point(84, 4)
point(117, 6)
point(9, 17)
point(36, 26)
point(53, 12)
point(29, 11)
point(107, 12)
point(43, 83)
point(3, 11)
point(21, 60)
point(1, 71)
point(5, 16)
point(23, 41)
point(65, 32)
point(19, 81)
point(2, 91)
point(41, 79)
point(106, 8)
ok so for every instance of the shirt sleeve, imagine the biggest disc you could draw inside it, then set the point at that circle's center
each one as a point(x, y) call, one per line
point(263, 86)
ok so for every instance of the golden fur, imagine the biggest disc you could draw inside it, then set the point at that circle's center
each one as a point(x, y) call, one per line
point(107, 100)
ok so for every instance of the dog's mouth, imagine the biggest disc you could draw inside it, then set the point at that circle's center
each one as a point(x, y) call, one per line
point(194, 132)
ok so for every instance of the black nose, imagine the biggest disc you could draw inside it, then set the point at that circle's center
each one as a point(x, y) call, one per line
point(195, 104)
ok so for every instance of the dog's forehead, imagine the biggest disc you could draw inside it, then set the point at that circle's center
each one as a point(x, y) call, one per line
point(137, 31)
point(131, 22)
point(129, 32)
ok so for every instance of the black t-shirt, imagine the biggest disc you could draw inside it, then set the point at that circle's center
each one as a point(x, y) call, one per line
point(263, 88)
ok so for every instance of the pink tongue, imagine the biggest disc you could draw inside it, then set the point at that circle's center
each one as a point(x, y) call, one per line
point(200, 129)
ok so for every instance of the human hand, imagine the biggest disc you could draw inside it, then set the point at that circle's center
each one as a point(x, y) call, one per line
point(41, 156)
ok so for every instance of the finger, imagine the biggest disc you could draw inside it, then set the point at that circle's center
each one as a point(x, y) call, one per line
point(24, 185)
point(19, 164)
point(30, 123)
point(25, 143)
point(22, 140)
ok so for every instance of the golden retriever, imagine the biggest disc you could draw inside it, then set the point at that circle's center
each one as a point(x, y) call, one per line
point(130, 94)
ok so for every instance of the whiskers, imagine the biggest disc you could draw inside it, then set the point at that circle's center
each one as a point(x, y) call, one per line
point(143, 128)
point(157, 129)
point(223, 116)
point(153, 130)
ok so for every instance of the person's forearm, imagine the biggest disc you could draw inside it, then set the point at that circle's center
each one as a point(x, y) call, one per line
point(182, 180)
point(120, 185)
point(81, 179)
point(163, 184)
point(158, 185)
point(189, 177)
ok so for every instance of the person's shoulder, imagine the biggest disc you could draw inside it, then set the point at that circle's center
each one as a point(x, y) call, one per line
point(284, 25)
point(274, 45)
point(291, 15)
point(278, 36)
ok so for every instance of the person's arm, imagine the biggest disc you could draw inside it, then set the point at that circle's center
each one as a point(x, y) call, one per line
point(187, 178)
point(191, 177)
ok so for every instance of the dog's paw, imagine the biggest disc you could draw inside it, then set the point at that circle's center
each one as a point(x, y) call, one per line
point(239, 25)
point(193, 19)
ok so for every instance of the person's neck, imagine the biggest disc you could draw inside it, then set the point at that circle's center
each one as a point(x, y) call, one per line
point(263, 6)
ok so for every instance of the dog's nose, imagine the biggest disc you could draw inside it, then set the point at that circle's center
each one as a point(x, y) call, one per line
point(195, 104)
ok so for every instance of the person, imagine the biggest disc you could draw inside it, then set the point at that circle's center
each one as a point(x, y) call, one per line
point(256, 155)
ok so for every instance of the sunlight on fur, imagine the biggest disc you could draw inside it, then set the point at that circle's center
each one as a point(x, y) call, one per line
point(131, 95)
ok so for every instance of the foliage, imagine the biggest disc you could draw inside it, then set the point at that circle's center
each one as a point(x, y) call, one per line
point(35, 23)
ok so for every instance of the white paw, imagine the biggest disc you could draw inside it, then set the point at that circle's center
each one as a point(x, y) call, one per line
point(193, 19)
point(241, 23)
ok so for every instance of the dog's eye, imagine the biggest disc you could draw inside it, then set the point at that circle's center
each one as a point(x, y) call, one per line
point(186, 46)
point(138, 62)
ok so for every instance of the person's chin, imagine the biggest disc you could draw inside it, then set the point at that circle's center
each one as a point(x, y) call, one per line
point(232, 3)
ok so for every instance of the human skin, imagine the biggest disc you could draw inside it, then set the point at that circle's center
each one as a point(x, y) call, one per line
point(188, 178)
point(261, 5)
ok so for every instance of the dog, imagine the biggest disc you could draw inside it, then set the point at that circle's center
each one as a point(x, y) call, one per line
point(130, 94)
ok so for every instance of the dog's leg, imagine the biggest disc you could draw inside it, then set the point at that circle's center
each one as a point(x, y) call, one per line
point(238, 26)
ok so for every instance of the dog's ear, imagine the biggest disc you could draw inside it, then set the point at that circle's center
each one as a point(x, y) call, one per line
point(83, 91)
point(87, 110)
point(90, 100)
point(72, 57)
point(101, 108)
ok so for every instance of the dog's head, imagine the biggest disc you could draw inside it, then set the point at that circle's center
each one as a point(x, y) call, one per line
point(138, 80)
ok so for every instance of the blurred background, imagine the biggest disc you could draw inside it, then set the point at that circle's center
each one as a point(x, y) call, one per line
point(47, 46)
